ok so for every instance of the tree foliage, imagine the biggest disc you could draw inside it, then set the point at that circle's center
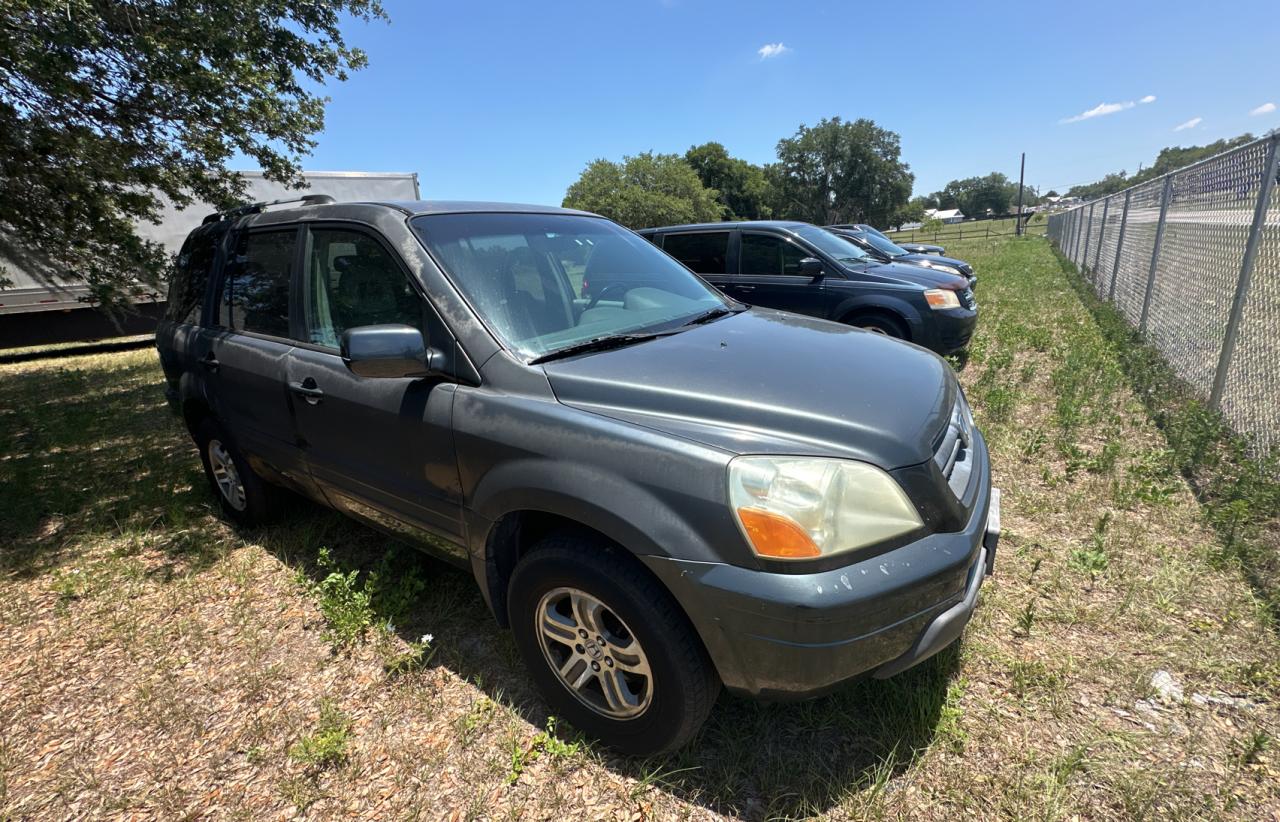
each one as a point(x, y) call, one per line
point(1169, 159)
point(840, 171)
point(645, 190)
point(742, 186)
point(105, 107)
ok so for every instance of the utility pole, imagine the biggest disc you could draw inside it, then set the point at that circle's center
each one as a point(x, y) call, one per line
point(1017, 226)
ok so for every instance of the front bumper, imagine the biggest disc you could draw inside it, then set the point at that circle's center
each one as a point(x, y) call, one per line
point(953, 328)
point(793, 636)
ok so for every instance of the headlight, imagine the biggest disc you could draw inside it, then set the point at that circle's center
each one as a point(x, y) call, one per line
point(803, 507)
point(941, 298)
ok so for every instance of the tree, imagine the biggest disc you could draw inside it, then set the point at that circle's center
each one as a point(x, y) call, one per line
point(106, 107)
point(840, 171)
point(645, 190)
point(976, 196)
point(742, 186)
point(1169, 159)
point(912, 212)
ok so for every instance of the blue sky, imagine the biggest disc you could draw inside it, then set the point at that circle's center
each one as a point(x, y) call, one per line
point(510, 100)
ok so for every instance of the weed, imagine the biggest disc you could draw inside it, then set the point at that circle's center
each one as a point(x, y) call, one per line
point(326, 746)
point(949, 729)
point(481, 714)
point(345, 604)
point(417, 657)
point(1026, 619)
point(1253, 747)
point(1092, 559)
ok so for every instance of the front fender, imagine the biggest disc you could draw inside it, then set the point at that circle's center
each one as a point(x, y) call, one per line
point(624, 511)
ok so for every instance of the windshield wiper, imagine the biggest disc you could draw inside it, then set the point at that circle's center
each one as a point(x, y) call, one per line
point(713, 314)
point(594, 344)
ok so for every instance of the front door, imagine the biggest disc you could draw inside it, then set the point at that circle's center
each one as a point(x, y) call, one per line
point(380, 449)
point(769, 275)
point(705, 252)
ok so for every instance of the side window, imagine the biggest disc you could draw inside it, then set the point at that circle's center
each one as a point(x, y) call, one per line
point(766, 254)
point(191, 277)
point(353, 281)
point(255, 290)
point(705, 253)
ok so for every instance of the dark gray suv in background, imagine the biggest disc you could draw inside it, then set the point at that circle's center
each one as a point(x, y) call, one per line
point(656, 488)
point(794, 266)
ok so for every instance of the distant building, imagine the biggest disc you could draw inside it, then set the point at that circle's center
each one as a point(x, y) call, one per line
point(946, 215)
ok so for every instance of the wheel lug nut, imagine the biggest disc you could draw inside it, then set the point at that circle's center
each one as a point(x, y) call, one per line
point(579, 649)
point(608, 661)
point(595, 666)
point(582, 633)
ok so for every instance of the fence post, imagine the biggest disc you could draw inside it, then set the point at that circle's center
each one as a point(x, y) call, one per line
point(1075, 245)
point(1246, 273)
point(1155, 252)
point(1088, 231)
point(1102, 232)
point(1115, 268)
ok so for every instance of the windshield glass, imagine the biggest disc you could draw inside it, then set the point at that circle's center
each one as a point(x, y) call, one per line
point(875, 231)
point(881, 244)
point(833, 245)
point(543, 282)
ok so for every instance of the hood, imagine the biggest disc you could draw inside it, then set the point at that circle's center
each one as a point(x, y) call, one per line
point(918, 274)
point(767, 382)
point(964, 267)
point(922, 248)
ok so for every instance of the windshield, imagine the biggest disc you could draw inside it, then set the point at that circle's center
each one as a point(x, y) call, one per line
point(544, 282)
point(871, 230)
point(833, 245)
point(883, 245)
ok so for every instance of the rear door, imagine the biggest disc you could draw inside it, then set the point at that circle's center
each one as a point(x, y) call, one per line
point(705, 252)
point(379, 449)
point(243, 352)
point(769, 275)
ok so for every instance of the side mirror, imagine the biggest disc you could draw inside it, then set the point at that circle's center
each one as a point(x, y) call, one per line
point(389, 351)
point(812, 267)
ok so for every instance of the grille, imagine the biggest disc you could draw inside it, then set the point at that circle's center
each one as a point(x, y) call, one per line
point(953, 454)
point(967, 299)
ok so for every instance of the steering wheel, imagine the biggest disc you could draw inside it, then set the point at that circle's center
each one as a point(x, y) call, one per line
point(597, 298)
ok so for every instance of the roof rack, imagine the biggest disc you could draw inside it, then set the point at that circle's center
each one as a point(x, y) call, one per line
point(256, 208)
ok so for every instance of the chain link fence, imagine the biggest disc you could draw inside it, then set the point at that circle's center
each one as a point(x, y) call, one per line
point(1192, 260)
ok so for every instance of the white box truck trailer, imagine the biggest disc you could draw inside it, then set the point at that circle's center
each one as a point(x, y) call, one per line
point(33, 312)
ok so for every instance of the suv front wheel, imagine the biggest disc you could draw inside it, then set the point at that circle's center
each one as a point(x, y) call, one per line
point(608, 647)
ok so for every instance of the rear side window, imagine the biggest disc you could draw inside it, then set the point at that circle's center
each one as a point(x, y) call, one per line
point(766, 254)
point(191, 277)
point(705, 253)
point(255, 290)
point(353, 281)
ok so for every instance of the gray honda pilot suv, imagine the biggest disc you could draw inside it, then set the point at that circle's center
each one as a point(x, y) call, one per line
point(656, 488)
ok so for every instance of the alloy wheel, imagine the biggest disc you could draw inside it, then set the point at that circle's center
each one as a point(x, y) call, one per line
point(225, 475)
point(595, 654)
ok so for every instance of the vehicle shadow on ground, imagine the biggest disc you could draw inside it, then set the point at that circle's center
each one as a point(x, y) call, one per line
point(752, 760)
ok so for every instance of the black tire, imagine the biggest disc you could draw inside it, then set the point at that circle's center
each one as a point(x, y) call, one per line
point(682, 686)
point(257, 505)
point(880, 324)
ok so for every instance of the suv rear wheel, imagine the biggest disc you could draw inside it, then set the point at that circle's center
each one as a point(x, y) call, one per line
point(608, 646)
point(243, 495)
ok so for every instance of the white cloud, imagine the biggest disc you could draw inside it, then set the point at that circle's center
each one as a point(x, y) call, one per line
point(1265, 108)
point(1150, 98)
point(1192, 123)
point(771, 50)
point(1098, 111)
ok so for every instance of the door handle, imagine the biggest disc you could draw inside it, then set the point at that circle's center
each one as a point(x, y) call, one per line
point(744, 288)
point(210, 362)
point(308, 390)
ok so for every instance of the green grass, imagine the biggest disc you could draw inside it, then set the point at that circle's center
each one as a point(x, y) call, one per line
point(138, 627)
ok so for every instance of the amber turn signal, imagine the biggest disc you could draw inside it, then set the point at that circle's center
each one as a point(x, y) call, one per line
point(773, 535)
